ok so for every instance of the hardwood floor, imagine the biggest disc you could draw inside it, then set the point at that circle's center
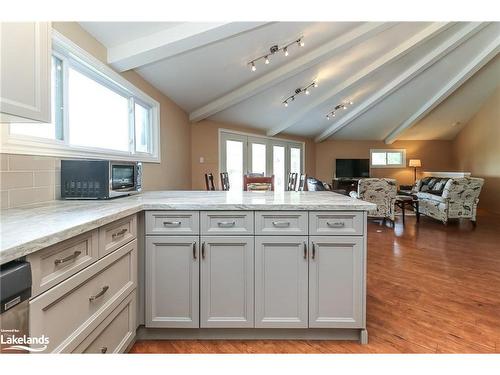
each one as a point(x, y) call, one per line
point(431, 289)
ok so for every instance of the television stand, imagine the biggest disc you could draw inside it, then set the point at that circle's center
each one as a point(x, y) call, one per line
point(346, 183)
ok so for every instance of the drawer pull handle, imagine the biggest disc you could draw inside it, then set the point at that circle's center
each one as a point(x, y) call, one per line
point(313, 250)
point(172, 223)
point(203, 250)
point(120, 233)
point(104, 349)
point(68, 258)
point(194, 250)
point(226, 224)
point(337, 224)
point(281, 224)
point(100, 294)
point(305, 250)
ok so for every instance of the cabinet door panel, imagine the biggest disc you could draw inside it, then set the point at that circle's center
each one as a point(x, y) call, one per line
point(336, 282)
point(227, 282)
point(172, 281)
point(281, 268)
point(25, 71)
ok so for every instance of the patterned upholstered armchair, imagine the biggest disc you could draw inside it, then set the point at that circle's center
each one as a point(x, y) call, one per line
point(459, 199)
point(382, 192)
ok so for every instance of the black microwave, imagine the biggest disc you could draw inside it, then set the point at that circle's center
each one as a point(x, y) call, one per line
point(99, 179)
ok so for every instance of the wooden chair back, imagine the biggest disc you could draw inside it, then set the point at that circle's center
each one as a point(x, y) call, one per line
point(258, 180)
point(292, 181)
point(209, 181)
point(224, 181)
point(302, 186)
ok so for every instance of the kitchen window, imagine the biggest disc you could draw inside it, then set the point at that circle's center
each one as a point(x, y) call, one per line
point(390, 158)
point(96, 113)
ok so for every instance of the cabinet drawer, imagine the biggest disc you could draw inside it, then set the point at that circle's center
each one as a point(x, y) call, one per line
point(117, 234)
point(115, 333)
point(56, 263)
point(71, 310)
point(281, 223)
point(227, 222)
point(172, 222)
point(336, 223)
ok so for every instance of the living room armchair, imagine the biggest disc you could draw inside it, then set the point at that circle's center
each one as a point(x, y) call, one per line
point(459, 198)
point(382, 192)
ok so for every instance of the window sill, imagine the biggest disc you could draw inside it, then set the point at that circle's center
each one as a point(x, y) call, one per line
point(58, 149)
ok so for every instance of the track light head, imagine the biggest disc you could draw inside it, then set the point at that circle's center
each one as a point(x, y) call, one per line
point(285, 50)
point(254, 68)
point(266, 61)
point(285, 104)
point(301, 43)
point(315, 84)
point(307, 92)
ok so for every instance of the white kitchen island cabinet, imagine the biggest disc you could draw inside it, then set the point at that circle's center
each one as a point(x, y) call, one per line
point(199, 265)
point(172, 281)
point(227, 282)
point(281, 278)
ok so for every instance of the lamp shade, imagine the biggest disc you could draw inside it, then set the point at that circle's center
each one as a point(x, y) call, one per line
point(415, 163)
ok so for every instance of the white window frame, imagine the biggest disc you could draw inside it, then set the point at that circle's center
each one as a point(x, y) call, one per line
point(388, 150)
point(73, 55)
point(225, 134)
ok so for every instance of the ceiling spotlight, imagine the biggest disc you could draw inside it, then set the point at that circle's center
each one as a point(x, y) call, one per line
point(351, 102)
point(342, 105)
point(328, 117)
point(275, 49)
point(298, 91)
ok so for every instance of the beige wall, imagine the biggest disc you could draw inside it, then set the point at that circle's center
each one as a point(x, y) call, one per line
point(476, 149)
point(205, 143)
point(435, 156)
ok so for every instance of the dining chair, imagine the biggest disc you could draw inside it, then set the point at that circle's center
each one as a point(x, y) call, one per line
point(292, 181)
point(302, 185)
point(209, 181)
point(224, 181)
point(253, 183)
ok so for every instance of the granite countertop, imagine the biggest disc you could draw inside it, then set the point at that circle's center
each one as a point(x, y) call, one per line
point(29, 229)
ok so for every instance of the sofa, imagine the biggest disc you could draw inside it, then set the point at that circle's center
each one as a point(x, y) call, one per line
point(382, 192)
point(445, 198)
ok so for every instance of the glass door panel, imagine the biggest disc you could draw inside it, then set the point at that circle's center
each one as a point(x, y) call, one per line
point(295, 160)
point(279, 167)
point(257, 148)
point(234, 164)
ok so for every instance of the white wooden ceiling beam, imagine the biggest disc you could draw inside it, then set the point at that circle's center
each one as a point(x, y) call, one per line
point(173, 41)
point(444, 48)
point(477, 63)
point(355, 36)
point(396, 53)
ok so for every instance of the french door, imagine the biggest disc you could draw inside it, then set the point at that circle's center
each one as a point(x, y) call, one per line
point(241, 154)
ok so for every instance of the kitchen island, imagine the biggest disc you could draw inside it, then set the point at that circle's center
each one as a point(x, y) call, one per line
point(197, 265)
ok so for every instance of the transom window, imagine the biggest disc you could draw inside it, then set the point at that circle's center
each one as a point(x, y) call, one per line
point(95, 113)
point(243, 153)
point(390, 158)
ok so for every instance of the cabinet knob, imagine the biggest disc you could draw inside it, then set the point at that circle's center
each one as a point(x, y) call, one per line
point(104, 349)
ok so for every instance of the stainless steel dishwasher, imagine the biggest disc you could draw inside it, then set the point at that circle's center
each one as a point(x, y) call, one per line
point(15, 291)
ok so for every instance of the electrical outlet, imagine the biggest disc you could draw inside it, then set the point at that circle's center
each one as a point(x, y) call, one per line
point(202, 159)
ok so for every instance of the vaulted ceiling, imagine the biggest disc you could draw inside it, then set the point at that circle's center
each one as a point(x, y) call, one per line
point(411, 80)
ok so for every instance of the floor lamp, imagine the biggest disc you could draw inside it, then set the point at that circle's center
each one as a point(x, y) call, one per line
point(415, 163)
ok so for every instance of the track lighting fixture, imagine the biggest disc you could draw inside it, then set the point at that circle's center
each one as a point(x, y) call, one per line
point(273, 50)
point(342, 106)
point(299, 91)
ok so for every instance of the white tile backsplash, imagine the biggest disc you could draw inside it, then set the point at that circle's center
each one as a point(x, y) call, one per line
point(26, 179)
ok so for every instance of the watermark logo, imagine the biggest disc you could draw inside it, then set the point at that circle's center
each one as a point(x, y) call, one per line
point(11, 340)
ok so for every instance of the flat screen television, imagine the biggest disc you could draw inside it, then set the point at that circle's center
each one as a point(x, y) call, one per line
point(352, 168)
